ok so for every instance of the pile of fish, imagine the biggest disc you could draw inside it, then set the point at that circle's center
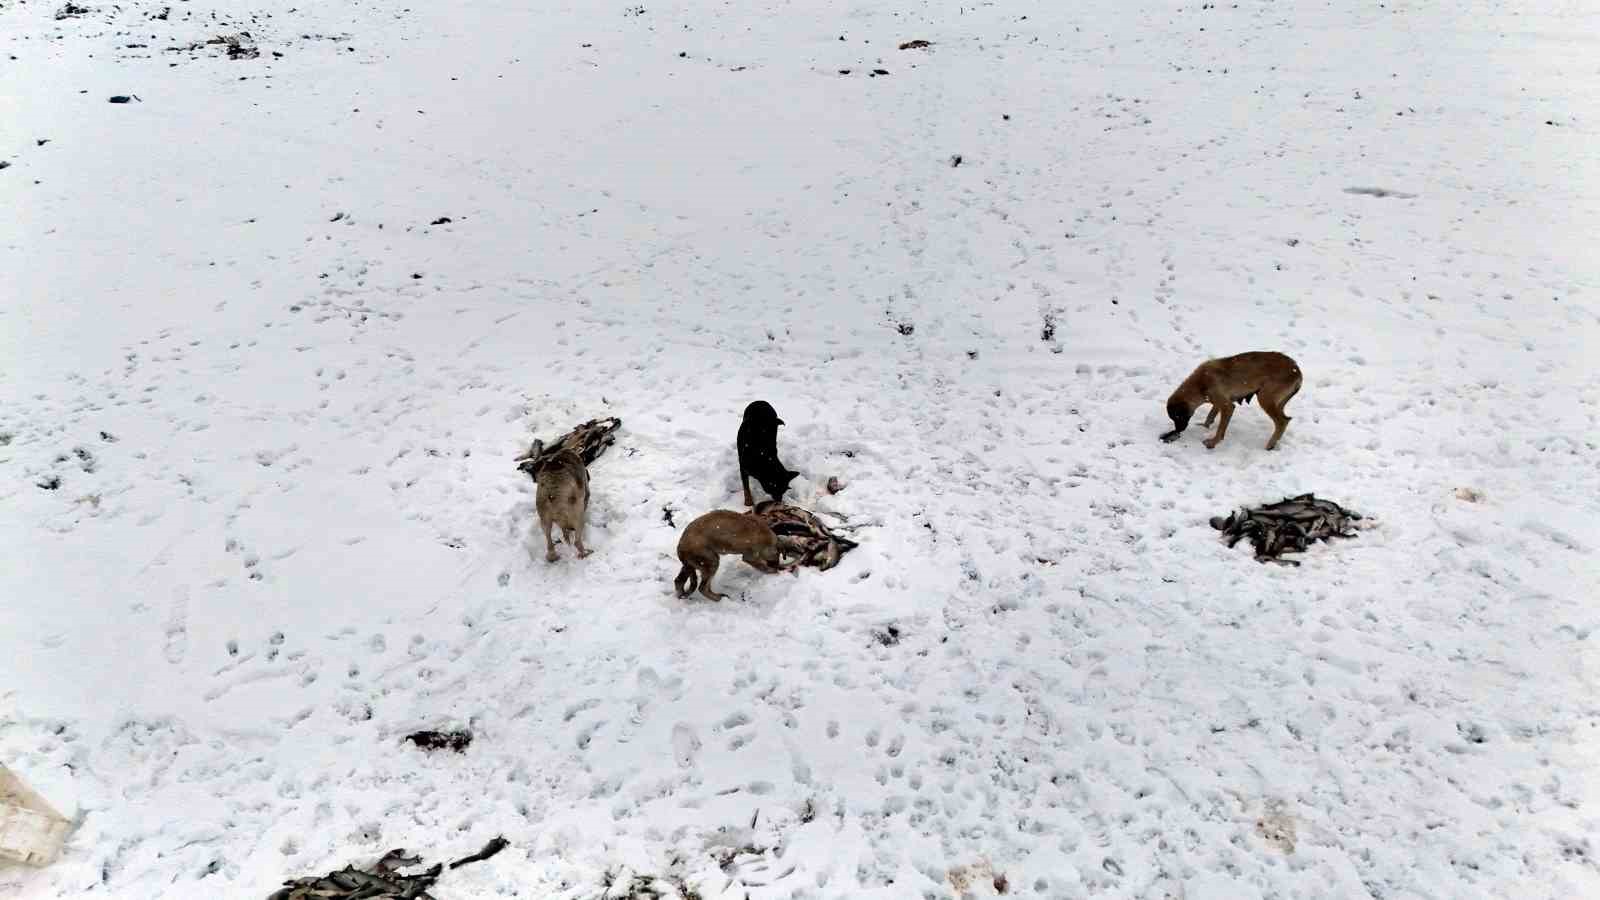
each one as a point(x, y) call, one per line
point(381, 881)
point(802, 538)
point(588, 440)
point(1288, 526)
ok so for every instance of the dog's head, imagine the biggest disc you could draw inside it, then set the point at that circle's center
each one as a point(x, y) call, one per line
point(528, 463)
point(777, 485)
point(772, 556)
point(760, 412)
point(1179, 411)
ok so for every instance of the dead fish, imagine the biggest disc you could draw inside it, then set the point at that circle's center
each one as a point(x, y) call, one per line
point(802, 535)
point(1290, 525)
point(588, 440)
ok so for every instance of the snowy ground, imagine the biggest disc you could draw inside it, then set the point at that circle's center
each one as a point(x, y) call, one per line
point(279, 409)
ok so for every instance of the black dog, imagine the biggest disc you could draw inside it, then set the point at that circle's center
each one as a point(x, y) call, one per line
point(758, 452)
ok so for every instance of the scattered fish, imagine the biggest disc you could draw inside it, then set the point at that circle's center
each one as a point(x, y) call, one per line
point(588, 440)
point(802, 538)
point(1288, 526)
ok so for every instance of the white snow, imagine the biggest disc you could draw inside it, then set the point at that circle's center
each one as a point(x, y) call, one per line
point(288, 529)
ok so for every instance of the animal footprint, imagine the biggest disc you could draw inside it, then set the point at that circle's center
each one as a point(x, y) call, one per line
point(685, 745)
point(177, 640)
point(576, 708)
point(587, 734)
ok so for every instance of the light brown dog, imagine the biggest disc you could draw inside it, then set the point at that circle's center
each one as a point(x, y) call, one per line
point(721, 531)
point(1273, 377)
point(563, 499)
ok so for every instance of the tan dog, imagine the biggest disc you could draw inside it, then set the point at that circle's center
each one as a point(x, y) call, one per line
point(563, 499)
point(1273, 377)
point(721, 531)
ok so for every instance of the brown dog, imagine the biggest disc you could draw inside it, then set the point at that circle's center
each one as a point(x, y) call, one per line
point(1273, 377)
point(563, 499)
point(721, 531)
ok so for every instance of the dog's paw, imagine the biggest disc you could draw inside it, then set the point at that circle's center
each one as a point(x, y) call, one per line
point(552, 556)
point(1170, 436)
point(1211, 443)
point(584, 554)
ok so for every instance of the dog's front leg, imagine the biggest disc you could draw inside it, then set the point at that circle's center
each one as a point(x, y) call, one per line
point(1222, 426)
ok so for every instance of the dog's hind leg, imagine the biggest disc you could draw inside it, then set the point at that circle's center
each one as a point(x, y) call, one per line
point(1272, 407)
point(1222, 426)
point(686, 581)
point(1210, 417)
point(744, 478)
point(549, 542)
point(577, 540)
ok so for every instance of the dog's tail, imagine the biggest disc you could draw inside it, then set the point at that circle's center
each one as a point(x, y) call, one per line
point(688, 579)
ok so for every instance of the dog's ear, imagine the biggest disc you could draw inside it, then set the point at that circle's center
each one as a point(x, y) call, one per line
point(793, 475)
point(779, 421)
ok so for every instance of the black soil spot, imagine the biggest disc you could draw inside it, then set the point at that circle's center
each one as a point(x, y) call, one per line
point(237, 46)
point(442, 220)
point(888, 636)
point(457, 741)
point(1380, 192)
point(71, 11)
point(51, 483)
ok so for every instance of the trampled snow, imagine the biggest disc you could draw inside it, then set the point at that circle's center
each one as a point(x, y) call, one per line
point(259, 405)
